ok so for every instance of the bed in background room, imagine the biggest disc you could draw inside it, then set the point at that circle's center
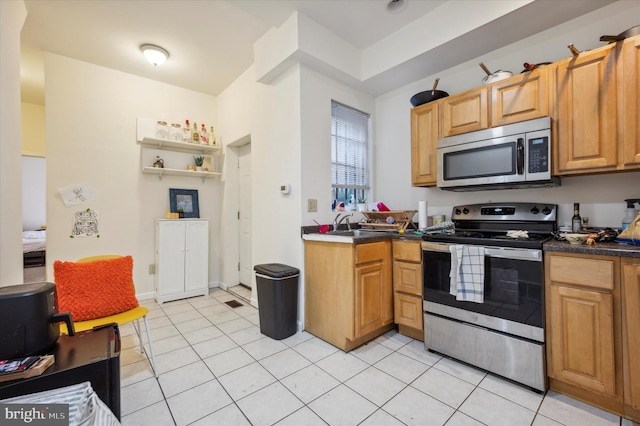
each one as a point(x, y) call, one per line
point(34, 248)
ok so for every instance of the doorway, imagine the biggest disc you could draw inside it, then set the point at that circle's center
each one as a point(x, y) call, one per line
point(245, 266)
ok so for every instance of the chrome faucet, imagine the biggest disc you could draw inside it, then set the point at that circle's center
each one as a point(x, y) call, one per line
point(336, 222)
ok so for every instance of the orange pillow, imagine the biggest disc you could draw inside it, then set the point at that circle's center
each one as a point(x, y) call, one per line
point(95, 289)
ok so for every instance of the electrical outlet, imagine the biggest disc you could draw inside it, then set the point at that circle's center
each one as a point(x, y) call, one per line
point(152, 269)
point(312, 205)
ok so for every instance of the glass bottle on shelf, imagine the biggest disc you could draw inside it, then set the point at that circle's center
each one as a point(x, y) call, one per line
point(162, 130)
point(195, 136)
point(212, 138)
point(203, 135)
point(175, 132)
point(576, 220)
point(186, 132)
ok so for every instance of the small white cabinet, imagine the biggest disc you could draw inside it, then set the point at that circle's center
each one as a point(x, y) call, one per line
point(182, 258)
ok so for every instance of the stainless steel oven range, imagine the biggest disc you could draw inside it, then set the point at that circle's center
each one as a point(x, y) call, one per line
point(503, 332)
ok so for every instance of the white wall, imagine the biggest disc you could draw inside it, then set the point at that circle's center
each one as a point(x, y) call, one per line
point(91, 116)
point(12, 16)
point(34, 189)
point(601, 197)
point(317, 92)
point(33, 130)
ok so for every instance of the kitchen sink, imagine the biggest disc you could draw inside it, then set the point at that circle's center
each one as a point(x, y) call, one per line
point(345, 233)
point(340, 236)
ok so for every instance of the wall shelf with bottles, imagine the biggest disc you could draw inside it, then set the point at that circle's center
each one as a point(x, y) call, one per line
point(172, 157)
point(179, 146)
point(146, 136)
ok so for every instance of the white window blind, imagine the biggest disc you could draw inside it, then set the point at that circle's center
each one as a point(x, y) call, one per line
point(349, 148)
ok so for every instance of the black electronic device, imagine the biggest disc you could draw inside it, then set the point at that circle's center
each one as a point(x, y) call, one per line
point(29, 319)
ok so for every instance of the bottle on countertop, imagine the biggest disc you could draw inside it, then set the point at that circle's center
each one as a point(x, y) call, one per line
point(195, 136)
point(576, 220)
point(630, 212)
point(203, 135)
point(186, 132)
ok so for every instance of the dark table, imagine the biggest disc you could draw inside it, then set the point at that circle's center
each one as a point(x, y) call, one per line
point(92, 356)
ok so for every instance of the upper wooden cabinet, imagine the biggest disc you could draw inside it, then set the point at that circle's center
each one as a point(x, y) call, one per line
point(585, 131)
point(425, 131)
point(597, 112)
point(520, 98)
point(465, 112)
point(630, 77)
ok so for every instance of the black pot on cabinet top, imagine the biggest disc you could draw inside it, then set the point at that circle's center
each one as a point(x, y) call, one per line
point(428, 95)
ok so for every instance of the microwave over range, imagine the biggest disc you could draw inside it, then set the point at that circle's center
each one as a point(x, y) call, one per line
point(506, 157)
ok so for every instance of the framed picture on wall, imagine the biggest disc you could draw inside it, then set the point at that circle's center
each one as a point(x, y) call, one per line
point(185, 199)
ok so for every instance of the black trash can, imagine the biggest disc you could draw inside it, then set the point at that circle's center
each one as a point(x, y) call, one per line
point(277, 286)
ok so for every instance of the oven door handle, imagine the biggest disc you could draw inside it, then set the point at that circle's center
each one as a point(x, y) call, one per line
point(520, 154)
point(516, 254)
point(439, 247)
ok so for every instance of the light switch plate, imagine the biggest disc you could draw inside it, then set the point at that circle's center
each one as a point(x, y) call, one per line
point(312, 205)
point(152, 269)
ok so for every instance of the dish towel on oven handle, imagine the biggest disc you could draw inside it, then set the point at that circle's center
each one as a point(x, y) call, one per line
point(467, 273)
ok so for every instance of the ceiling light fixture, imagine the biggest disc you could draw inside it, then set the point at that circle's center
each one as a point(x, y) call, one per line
point(396, 6)
point(154, 54)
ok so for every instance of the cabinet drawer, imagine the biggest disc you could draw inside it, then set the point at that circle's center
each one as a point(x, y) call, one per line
point(372, 251)
point(407, 250)
point(408, 310)
point(596, 273)
point(407, 277)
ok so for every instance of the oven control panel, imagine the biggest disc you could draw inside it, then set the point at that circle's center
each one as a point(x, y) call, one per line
point(538, 212)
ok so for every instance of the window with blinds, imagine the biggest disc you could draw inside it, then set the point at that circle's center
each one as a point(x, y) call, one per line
point(349, 153)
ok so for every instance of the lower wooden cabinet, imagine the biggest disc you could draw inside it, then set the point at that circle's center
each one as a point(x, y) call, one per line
point(582, 338)
point(407, 288)
point(631, 337)
point(584, 333)
point(348, 291)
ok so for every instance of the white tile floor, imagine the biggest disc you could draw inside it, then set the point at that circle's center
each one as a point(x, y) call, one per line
point(216, 368)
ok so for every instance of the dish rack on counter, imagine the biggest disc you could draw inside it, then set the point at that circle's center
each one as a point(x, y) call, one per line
point(402, 219)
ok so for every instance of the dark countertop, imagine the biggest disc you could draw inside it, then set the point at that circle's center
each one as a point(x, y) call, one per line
point(368, 236)
point(602, 249)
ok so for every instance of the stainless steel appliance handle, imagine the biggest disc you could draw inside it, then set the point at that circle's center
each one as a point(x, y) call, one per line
point(520, 154)
point(514, 253)
point(502, 252)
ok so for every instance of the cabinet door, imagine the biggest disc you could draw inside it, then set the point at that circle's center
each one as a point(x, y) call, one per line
point(424, 136)
point(581, 338)
point(408, 310)
point(369, 288)
point(520, 98)
point(196, 273)
point(585, 131)
point(407, 277)
point(630, 334)
point(465, 112)
point(631, 103)
point(170, 260)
